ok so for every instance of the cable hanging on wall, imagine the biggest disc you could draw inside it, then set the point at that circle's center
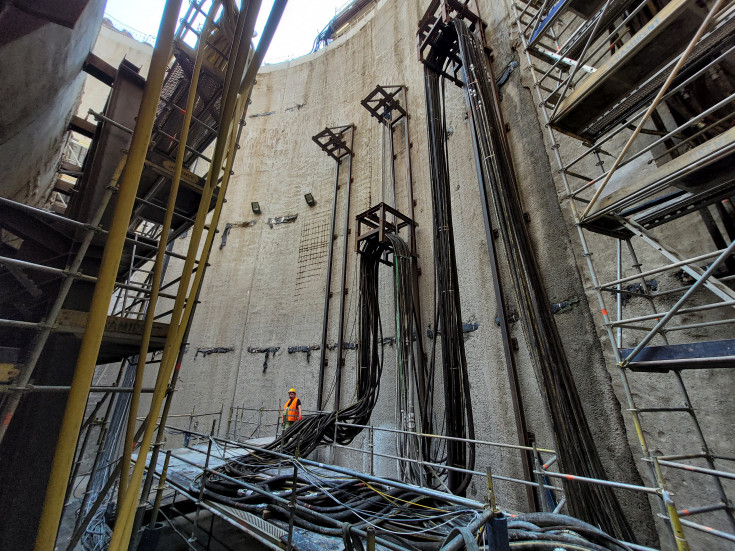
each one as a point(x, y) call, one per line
point(448, 313)
point(451, 46)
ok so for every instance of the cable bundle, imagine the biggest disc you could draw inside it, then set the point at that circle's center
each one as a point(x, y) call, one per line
point(344, 507)
point(404, 519)
point(314, 430)
point(448, 315)
point(551, 531)
point(415, 387)
point(576, 448)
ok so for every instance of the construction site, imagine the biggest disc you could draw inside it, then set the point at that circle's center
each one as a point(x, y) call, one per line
point(461, 277)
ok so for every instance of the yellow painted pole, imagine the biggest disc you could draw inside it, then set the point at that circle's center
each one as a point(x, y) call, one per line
point(87, 359)
point(123, 525)
point(160, 255)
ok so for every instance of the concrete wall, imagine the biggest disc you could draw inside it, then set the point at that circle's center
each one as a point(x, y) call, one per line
point(41, 83)
point(265, 288)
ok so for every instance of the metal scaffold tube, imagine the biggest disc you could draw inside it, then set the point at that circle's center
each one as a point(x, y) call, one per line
point(160, 254)
point(233, 106)
point(87, 359)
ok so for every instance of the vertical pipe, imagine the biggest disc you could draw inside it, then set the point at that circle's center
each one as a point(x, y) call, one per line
point(370, 538)
point(540, 479)
point(159, 491)
point(291, 506)
point(219, 422)
point(343, 289)
point(204, 480)
point(328, 286)
point(229, 421)
point(372, 450)
point(87, 358)
point(392, 153)
point(409, 176)
point(237, 415)
point(158, 265)
point(414, 263)
point(78, 462)
point(619, 301)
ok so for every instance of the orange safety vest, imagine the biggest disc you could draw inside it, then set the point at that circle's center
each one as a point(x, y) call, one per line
point(291, 414)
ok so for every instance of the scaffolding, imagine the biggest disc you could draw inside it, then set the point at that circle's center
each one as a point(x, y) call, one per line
point(184, 471)
point(645, 88)
point(91, 278)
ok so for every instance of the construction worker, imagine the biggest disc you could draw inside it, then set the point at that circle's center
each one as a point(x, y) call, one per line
point(292, 409)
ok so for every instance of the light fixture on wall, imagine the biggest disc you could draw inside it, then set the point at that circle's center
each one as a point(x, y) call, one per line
point(256, 207)
point(310, 199)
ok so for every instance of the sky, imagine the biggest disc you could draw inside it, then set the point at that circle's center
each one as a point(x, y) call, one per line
point(301, 22)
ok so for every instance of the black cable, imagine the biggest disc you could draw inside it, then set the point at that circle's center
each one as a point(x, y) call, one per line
point(448, 317)
point(574, 441)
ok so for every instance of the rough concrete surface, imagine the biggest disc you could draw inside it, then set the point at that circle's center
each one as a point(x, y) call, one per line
point(265, 287)
point(40, 86)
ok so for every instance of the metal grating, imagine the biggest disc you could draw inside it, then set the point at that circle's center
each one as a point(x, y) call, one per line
point(262, 527)
point(312, 251)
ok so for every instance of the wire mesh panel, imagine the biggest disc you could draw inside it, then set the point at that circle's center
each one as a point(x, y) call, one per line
point(313, 246)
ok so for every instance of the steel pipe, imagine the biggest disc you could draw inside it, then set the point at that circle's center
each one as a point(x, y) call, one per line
point(454, 438)
point(87, 358)
point(47, 269)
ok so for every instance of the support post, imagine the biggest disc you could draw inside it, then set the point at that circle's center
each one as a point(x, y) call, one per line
point(292, 506)
point(203, 483)
point(159, 491)
point(343, 284)
point(328, 286)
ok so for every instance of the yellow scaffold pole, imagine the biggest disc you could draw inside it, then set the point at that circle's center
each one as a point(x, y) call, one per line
point(160, 254)
point(229, 118)
point(87, 359)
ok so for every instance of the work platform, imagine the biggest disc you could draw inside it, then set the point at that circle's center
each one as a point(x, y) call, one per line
point(184, 473)
point(635, 62)
point(122, 336)
point(696, 179)
point(699, 355)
